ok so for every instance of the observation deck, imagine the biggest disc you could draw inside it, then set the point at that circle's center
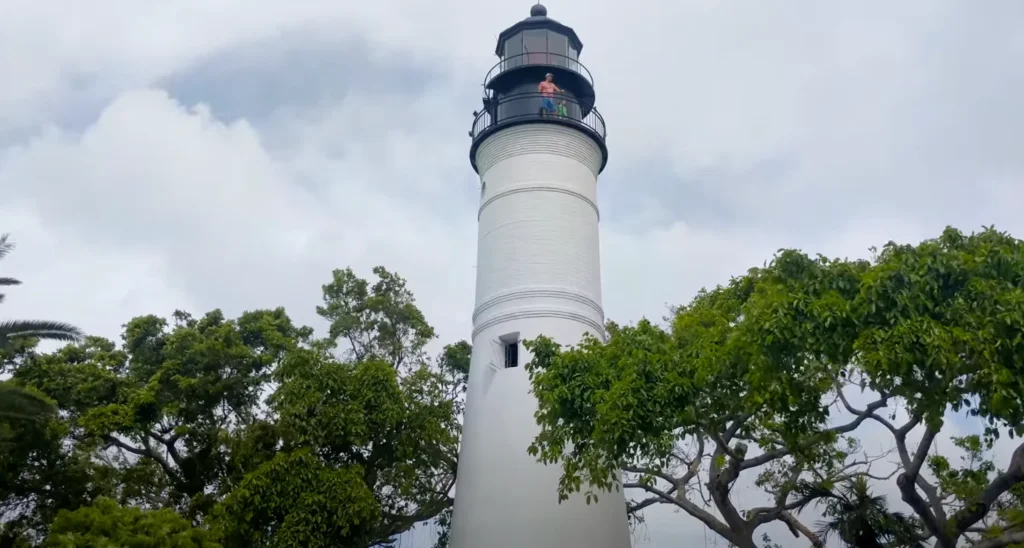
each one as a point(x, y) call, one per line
point(525, 108)
point(569, 72)
point(529, 51)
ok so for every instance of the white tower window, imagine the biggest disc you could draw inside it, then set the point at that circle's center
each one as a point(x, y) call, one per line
point(512, 354)
point(510, 345)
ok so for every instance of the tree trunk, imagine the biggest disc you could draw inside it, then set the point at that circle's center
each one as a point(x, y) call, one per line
point(744, 539)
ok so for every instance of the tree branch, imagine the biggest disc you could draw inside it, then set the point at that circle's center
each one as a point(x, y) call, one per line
point(679, 499)
point(399, 524)
point(169, 443)
point(116, 442)
point(764, 515)
point(972, 513)
point(858, 412)
point(933, 518)
point(862, 415)
point(693, 467)
point(733, 428)
point(796, 526)
point(168, 469)
point(719, 485)
point(1006, 539)
point(147, 452)
point(660, 474)
point(651, 501)
point(913, 468)
point(677, 484)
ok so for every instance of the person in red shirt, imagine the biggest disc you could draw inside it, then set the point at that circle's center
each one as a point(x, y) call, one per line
point(547, 89)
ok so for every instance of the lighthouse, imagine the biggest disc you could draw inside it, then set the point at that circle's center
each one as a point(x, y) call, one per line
point(538, 144)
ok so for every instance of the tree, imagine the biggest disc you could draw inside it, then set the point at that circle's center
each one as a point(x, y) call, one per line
point(377, 322)
point(39, 476)
point(31, 455)
point(224, 419)
point(105, 523)
point(172, 410)
point(15, 401)
point(381, 413)
point(768, 358)
point(295, 499)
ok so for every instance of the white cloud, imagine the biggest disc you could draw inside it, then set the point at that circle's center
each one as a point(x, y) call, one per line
point(229, 223)
point(825, 127)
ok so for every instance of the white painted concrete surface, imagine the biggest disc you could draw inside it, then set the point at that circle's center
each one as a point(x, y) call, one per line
point(538, 272)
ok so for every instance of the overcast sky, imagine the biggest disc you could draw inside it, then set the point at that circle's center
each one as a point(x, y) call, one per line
point(202, 154)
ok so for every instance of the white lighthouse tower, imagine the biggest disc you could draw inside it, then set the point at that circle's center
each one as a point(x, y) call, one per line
point(538, 273)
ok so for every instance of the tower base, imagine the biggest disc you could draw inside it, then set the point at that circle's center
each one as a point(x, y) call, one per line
point(505, 498)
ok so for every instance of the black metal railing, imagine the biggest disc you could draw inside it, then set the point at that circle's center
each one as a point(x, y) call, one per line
point(539, 58)
point(522, 107)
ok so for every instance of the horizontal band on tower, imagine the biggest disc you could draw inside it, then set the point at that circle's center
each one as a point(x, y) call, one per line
point(525, 313)
point(539, 188)
point(539, 139)
point(532, 293)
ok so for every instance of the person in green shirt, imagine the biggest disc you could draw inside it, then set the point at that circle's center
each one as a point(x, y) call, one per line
point(562, 111)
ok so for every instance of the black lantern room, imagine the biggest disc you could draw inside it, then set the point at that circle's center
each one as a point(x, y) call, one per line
point(528, 51)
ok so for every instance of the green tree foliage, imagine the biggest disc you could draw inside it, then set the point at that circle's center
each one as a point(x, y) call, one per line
point(18, 403)
point(106, 524)
point(39, 476)
point(963, 486)
point(396, 435)
point(250, 428)
point(746, 377)
point(296, 500)
point(379, 321)
point(378, 405)
point(31, 454)
point(168, 407)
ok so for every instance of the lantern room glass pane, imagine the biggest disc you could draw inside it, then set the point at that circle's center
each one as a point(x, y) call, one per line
point(558, 45)
point(514, 51)
point(535, 46)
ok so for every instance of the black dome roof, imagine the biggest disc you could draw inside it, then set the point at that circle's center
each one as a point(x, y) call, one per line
point(539, 19)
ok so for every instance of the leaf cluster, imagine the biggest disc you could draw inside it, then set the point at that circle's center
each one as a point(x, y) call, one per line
point(761, 360)
point(249, 429)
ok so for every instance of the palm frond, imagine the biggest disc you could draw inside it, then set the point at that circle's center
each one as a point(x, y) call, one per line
point(902, 530)
point(41, 329)
point(825, 529)
point(19, 403)
point(5, 246)
point(860, 518)
point(10, 281)
point(812, 493)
